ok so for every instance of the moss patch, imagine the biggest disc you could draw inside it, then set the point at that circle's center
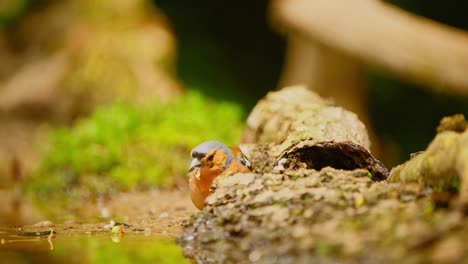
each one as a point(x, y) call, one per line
point(123, 147)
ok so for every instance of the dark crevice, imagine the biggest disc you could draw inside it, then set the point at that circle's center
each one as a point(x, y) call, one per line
point(342, 155)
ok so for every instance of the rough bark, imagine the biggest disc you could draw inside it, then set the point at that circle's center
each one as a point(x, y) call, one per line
point(327, 216)
point(308, 131)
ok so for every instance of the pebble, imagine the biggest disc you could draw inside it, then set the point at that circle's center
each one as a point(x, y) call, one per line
point(45, 223)
point(105, 212)
point(164, 215)
point(110, 225)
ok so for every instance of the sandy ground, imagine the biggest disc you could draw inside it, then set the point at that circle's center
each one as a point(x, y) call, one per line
point(154, 212)
point(147, 213)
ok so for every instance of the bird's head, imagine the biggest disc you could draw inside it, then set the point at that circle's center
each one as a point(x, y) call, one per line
point(209, 160)
point(211, 155)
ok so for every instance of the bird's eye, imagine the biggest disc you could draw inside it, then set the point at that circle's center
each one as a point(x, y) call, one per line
point(197, 155)
point(210, 157)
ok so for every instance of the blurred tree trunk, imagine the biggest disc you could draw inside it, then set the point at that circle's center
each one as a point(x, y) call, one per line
point(378, 34)
point(329, 73)
point(331, 42)
point(61, 59)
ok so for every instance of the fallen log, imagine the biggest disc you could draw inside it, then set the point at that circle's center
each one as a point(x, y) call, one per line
point(326, 216)
point(307, 131)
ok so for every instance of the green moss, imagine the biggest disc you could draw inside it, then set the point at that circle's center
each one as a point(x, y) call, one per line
point(324, 249)
point(294, 177)
point(455, 184)
point(123, 147)
point(352, 224)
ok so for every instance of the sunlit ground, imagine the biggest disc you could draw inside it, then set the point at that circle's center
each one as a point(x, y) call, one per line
point(19, 246)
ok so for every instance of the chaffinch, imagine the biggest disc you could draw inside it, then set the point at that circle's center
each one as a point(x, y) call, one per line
point(209, 160)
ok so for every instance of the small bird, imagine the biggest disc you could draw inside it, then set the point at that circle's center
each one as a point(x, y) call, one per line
point(209, 160)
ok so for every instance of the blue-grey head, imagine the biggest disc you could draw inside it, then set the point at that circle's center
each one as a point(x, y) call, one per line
point(206, 151)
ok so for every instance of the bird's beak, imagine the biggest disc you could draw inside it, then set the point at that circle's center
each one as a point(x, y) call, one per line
point(194, 164)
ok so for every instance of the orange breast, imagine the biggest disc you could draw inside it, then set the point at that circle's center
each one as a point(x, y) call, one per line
point(200, 186)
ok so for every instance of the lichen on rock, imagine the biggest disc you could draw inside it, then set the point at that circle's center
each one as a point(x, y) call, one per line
point(443, 166)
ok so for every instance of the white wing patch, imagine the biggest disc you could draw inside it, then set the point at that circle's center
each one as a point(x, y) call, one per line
point(243, 160)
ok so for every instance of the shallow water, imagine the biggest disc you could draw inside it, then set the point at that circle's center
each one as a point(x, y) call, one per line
point(18, 245)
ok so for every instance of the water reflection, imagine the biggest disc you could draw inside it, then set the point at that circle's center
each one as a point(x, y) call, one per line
point(18, 246)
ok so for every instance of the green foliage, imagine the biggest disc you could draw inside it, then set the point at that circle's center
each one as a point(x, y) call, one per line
point(123, 147)
point(130, 249)
point(155, 250)
point(10, 10)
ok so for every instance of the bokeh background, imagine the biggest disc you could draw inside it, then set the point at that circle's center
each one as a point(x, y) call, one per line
point(102, 97)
